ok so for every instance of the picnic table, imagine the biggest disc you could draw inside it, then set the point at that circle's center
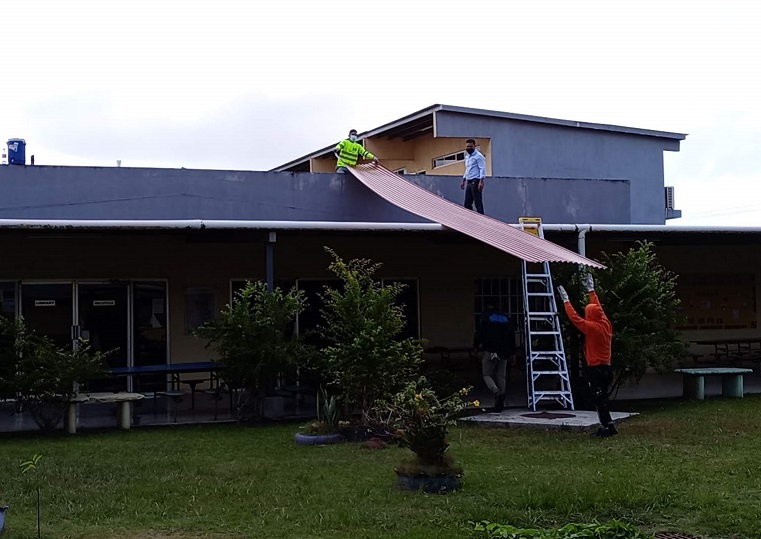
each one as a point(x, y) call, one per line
point(733, 350)
point(123, 400)
point(693, 381)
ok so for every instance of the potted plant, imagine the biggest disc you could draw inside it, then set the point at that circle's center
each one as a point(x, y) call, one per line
point(422, 422)
point(255, 341)
point(325, 429)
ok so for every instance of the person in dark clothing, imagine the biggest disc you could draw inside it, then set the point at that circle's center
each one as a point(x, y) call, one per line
point(497, 339)
point(598, 337)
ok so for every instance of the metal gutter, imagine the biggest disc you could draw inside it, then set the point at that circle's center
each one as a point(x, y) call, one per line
point(201, 224)
point(719, 229)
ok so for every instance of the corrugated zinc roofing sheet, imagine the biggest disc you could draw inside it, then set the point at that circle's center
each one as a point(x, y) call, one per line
point(413, 198)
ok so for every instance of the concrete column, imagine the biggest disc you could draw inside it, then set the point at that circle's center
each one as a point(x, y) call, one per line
point(124, 415)
point(270, 260)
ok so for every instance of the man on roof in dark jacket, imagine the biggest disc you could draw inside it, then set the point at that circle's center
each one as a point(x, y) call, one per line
point(497, 338)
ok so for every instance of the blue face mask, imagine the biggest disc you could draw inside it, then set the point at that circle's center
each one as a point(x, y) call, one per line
point(353, 138)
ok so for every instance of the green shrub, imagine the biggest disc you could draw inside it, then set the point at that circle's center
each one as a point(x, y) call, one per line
point(42, 376)
point(255, 341)
point(596, 530)
point(366, 360)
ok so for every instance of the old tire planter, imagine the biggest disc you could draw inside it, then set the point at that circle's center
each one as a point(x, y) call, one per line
point(438, 484)
point(317, 439)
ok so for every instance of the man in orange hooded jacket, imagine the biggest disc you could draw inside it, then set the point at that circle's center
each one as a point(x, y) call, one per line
point(598, 335)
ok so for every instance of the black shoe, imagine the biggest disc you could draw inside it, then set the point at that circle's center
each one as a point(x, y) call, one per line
point(605, 432)
point(499, 403)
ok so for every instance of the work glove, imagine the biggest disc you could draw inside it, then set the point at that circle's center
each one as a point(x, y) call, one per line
point(563, 294)
point(589, 282)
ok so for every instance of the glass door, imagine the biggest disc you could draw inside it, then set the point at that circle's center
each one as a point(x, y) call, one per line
point(48, 309)
point(104, 321)
point(149, 322)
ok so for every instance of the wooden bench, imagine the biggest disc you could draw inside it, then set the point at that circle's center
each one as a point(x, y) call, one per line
point(693, 381)
point(123, 402)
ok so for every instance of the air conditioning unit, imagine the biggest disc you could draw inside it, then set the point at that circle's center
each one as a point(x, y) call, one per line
point(669, 198)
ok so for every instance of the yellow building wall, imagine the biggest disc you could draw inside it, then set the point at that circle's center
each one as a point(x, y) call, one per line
point(415, 155)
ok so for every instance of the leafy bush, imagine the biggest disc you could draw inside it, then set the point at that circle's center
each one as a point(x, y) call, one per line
point(422, 422)
point(42, 376)
point(365, 360)
point(639, 297)
point(610, 530)
point(255, 342)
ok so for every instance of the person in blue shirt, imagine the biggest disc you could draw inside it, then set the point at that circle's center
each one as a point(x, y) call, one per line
point(496, 336)
point(473, 179)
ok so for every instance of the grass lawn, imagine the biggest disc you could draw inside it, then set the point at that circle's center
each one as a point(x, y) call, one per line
point(689, 467)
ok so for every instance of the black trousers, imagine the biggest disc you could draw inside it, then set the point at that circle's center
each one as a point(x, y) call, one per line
point(600, 378)
point(473, 194)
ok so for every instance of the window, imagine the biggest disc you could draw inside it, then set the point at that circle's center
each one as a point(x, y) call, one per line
point(448, 159)
point(401, 171)
point(505, 294)
point(408, 298)
point(311, 318)
point(199, 307)
point(8, 299)
point(445, 160)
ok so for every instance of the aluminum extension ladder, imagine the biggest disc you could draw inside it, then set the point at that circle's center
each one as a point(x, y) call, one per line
point(547, 374)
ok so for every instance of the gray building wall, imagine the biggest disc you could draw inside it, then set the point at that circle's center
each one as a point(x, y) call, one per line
point(532, 149)
point(50, 192)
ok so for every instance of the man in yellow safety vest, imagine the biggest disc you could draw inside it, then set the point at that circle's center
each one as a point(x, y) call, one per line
point(348, 152)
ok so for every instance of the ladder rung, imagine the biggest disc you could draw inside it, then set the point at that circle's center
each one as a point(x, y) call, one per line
point(538, 275)
point(561, 393)
point(531, 314)
point(546, 294)
point(544, 333)
point(548, 372)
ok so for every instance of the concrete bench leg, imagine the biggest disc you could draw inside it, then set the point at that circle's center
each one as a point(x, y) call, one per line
point(694, 387)
point(124, 415)
point(732, 385)
point(70, 419)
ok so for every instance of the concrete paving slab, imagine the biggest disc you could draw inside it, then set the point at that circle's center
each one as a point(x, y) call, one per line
point(581, 420)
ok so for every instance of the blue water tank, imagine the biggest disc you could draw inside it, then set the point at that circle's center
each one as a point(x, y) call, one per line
point(16, 151)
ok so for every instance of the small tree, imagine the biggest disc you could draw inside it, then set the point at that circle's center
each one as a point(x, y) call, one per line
point(639, 297)
point(365, 361)
point(255, 341)
point(32, 466)
point(43, 376)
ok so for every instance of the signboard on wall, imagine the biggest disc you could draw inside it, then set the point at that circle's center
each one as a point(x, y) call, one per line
point(44, 303)
point(717, 300)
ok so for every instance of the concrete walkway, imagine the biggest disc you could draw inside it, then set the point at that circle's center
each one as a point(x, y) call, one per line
point(581, 420)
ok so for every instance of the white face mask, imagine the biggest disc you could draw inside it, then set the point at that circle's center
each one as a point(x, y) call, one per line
point(353, 138)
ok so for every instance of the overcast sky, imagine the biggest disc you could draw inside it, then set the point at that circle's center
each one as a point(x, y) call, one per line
point(249, 85)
